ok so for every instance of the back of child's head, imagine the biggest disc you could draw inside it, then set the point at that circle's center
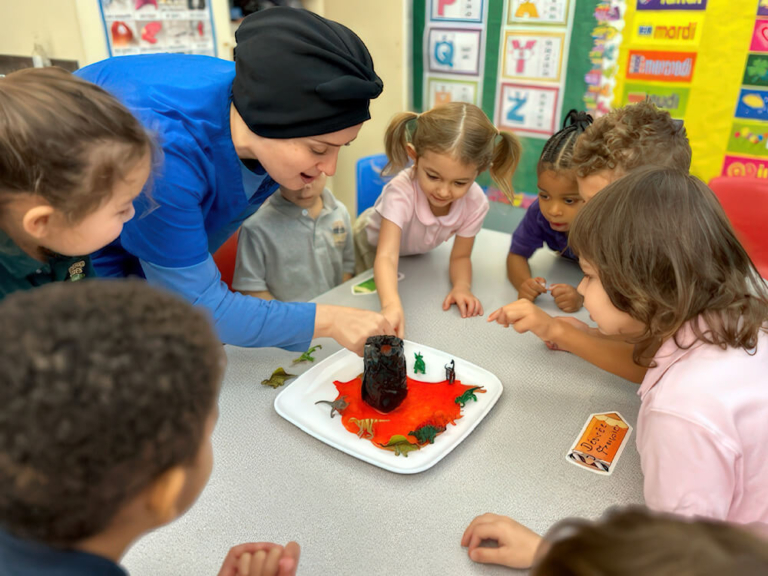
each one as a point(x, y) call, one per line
point(558, 150)
point(666, 253)
point(65, 140)
point(630, 137)
point(105, 385)
point(460, 130)
point(636, 542)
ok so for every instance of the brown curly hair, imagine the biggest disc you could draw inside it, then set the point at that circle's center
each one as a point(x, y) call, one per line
point(65, 140)
point(666, 254)
point(637, 542)
point(105, 385)
point(632, 136)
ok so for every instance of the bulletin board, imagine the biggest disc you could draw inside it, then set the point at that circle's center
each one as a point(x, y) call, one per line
point(151, 26)
point(524, 62)
point(527, 62)
point(706, 62)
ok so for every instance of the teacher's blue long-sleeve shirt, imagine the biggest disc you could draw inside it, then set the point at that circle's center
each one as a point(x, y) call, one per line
point(198, 195)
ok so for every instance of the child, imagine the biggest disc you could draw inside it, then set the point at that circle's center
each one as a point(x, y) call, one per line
point(616, 144)
point(435, 199)
point(296, 247)
point(72, 159)
point(548, 219)
point(664, 270)
point(628, 542)
point(625, 139)
point(108, 397)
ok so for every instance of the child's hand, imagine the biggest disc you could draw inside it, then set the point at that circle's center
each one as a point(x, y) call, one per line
point(261, 559)
point(532, 288)
point(467, 303)
point(524, 316)
point(517, 544)
point(566, 297)
point(394, 313)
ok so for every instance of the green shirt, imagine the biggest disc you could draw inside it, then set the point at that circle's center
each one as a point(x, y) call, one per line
point(19, 271)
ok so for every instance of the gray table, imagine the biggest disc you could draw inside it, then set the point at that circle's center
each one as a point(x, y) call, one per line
point(273, 482)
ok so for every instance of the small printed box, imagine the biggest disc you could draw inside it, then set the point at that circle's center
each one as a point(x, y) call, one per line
point(601, 442)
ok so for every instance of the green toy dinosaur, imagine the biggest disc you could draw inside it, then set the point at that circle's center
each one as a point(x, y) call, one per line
point(426, 433)
point(467, 396)
point(278, 378)
point(419, 365)
point(307, 356)
point(400, 446)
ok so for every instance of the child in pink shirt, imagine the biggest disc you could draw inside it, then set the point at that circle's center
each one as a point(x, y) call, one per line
point(664, 270)
point(435, 199)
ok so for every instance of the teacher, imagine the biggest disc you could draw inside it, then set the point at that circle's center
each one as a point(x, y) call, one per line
point(230, 134)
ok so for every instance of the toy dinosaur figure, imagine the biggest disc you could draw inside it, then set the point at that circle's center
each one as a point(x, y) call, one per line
point(307, 356)
point(468, 395)
point(366, 426)
point(419, 365)
point(337, 405)
point(400, 446)
point(426, 433)
point(450, 372)
point(278, 378)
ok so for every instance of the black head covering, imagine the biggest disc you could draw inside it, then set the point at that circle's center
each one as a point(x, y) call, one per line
point(298, 74)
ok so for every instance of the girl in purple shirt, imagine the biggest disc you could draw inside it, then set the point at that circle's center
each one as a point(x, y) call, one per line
point(549, 218)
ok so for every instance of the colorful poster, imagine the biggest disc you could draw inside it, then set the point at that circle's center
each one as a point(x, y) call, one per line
point(604, 56)
point(150, 26)
point(762, 8)
point(457, 10)
point(671, 98)
point(538, 12)
point(660, 66)
point(533, 55)
point(744, 167)
point(752, 104)
point(528, 109)
point(454, 51)
point(442, 91)
point(680, 28)
point(760, 37)
point(748, 138)
point(671, 4)
point(756, 71)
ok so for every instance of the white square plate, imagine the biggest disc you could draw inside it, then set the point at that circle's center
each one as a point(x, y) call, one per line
point(297, 405)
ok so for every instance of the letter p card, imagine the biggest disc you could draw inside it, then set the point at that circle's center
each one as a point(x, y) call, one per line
point(601, 442)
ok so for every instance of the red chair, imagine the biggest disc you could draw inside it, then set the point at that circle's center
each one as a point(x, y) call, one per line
point(745, 201)
point(225, 258)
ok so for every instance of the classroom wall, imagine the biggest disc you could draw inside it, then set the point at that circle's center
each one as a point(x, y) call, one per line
point(53, 23)
point(383, 26)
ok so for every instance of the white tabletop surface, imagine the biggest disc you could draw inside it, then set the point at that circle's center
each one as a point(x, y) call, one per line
point(272, 482)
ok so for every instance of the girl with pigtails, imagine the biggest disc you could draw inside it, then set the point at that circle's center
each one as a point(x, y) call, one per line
point(434, 199)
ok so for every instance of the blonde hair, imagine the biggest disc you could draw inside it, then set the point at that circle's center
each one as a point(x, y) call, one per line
point(665, 254)
point(460, 130)
point(65, 140)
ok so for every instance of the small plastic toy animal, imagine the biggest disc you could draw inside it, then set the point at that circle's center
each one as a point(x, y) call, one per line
point(400, 445)
point(278, 378)
point(419, 365)
point(468, 395)
point(307, 356)
point(426, 433)
point(450, 372)
point(366, 426)
point(337, 405)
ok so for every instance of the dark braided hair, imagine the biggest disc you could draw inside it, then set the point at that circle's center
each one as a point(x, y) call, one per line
point(558, 150)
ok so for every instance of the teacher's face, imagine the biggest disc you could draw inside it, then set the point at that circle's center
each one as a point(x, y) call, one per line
point(295, 162)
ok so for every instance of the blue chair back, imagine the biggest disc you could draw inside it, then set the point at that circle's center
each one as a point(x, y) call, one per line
point(369, 180)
